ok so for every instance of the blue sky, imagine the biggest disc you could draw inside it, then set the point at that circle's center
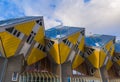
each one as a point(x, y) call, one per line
point(97, 16)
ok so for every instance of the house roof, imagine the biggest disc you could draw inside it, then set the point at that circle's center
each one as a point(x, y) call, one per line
point(98, 40)
point(17, 20)
point(59, 32)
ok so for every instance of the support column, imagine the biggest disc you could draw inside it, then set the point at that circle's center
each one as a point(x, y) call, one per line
point(66, 71)
point(104, 74)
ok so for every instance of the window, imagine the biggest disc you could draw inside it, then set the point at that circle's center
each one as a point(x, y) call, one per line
point(15, 76)
point(81, 53)
point(67, 42)
point(41, 47)
point(110, 49)
point(90, 51)
point(50, 44)
point(39, 22)
point(13, 31)
point(31, 37)
point(10, 29)
point(76, 46)
point(28, 38)
point(117, 58)
point(104, 49)
point(18, 34)
point(82, 32)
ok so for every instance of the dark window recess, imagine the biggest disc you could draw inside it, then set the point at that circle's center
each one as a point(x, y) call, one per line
point(90, 51)
point(44, 49)
point(37, 21)
point(28, 38)
point(40, 23)
point(32, 32)
point(69, 43)
point(82, 32)
point(38, 46)
point(15, 32)
point(52, 42)
point(31, 37)
point(48, 46)
point(103, 48)
point(31, 40)
point(65, 40)
point(18, 34)
point(41, 19)
point(76, 46)
point(117, 58)
point(41, 47)
point(81, 53)
point(10, 29)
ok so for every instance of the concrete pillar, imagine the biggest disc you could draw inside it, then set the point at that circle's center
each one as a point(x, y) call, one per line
point(14, 66)
point(63, 71)
point(104, 74)
point(66, 71)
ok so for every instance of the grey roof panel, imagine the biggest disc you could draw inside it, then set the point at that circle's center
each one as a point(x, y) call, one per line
point(60, 32)
point(16, 20)
point(98, 40)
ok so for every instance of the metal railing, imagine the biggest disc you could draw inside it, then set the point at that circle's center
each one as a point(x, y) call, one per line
point(114, 80)
point(38, 77)
point(84, 79)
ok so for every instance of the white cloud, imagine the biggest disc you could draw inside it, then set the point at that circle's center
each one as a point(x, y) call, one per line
point(44, 8)
point(97, 16)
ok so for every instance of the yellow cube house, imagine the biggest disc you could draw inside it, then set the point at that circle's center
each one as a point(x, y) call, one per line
point(23, 35)
point(116, 58)
point(65, 43)
point(99, 50)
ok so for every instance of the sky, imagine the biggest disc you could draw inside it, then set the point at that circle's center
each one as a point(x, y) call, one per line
point(97, 16)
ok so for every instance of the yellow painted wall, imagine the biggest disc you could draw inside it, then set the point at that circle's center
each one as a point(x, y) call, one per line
point(108, 45)
point(35, 56)
point(78, 60)
point(64, 49)
point(109, 63)
point(74, 37)
point(64, 52)
point(26, 27)
point(102, 57)
point(94, 58)
point(54, 52)
point(2, 49)
point(82, 44)
point(10, 43)
point(60, 52)
point(40, 36)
